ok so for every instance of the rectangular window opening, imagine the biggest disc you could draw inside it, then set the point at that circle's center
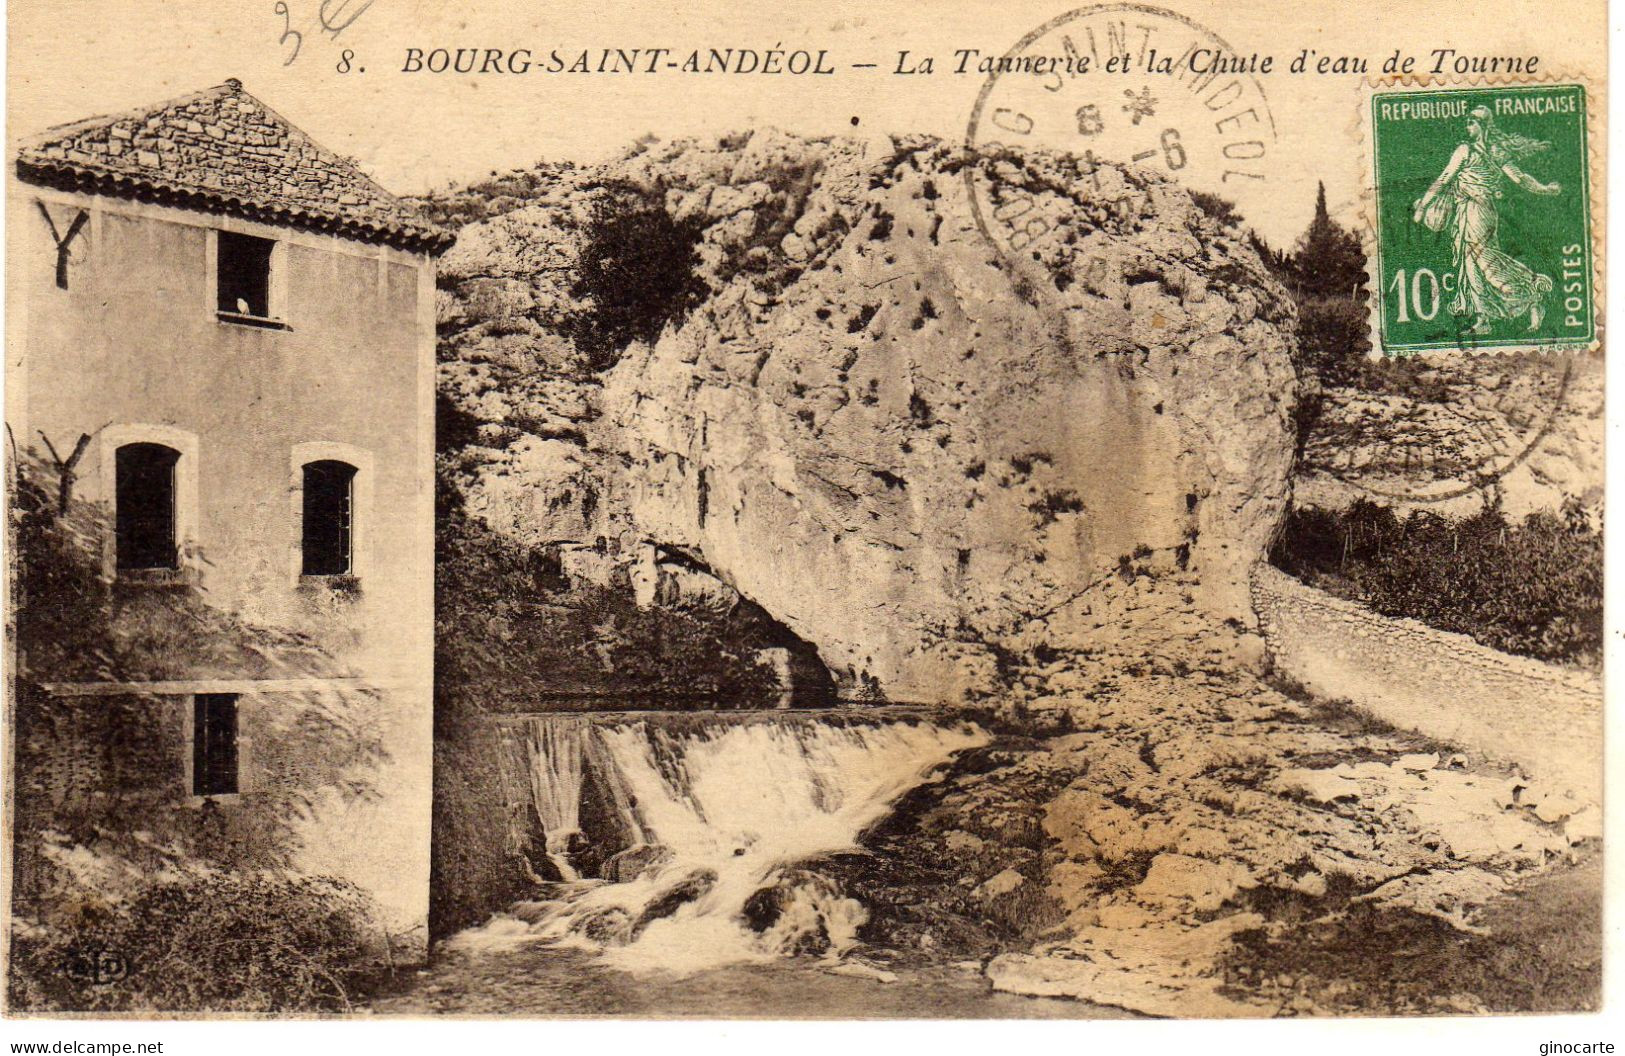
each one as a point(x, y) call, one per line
point(144, 499)
point(214, 744)
point(244, 275)
point(328, 518)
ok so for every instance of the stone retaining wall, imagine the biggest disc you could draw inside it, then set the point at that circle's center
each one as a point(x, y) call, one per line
point(1546, 719)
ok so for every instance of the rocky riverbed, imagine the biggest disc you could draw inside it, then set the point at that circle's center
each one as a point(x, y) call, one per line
point(1153, 827)
point(1158, 822)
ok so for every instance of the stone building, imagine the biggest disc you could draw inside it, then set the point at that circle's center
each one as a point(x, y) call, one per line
point(225, 333)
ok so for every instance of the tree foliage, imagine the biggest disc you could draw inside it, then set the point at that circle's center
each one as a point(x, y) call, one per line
point(1328, 261)
point(1325, 272)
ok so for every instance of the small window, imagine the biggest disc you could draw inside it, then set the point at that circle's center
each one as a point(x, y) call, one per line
point(144, 499)
point(244, 275)
point(214, 744)
point(329, 500)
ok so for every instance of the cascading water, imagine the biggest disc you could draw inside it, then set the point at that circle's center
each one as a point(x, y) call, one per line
point(710, 818)
point(555, 752)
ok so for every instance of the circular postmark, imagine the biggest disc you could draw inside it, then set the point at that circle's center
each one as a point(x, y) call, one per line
point(1484, 418)
point(1117, 87)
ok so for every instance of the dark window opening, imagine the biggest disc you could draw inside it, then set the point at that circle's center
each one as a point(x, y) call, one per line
point(214, 744)
point(244, 272)
point(329, 489)
point(145, 502)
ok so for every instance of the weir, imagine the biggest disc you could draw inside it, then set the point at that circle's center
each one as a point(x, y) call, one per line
point(677, 841)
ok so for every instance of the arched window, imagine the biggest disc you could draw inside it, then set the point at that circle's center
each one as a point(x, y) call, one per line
point(329, 511)
point(144, 501)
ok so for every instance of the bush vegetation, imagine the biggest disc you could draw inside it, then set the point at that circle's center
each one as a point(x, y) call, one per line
point(1532, 588)
point(203, 943)
point(638, 269)
point(497, 194)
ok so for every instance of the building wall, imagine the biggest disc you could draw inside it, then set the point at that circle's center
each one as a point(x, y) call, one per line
point(1547, 719)
point(133, 350)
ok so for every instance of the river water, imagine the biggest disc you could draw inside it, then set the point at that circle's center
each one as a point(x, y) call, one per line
point(676, 840)
point(679, 845)
point(543, 980)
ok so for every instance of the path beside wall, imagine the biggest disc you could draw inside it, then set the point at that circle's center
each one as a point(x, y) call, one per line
point(1548, 720)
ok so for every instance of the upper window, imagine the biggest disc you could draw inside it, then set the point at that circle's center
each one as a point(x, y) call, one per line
point(144, 501)
point(329, 489)
point(243, 277)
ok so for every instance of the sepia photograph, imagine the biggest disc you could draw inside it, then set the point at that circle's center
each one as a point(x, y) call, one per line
point(816, 512)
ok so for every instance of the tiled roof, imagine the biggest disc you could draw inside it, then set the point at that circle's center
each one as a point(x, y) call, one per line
point(222, 150)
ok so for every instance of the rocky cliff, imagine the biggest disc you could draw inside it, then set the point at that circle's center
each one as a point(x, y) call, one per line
point(1450, 433)
point(848, 407)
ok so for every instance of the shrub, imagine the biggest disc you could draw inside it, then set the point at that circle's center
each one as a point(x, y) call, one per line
point(1332, 337)
point(1533, 588)
point(208, 942)
point(1221, 210)
point(639, 267)
point(1325, 273)
point(493, 196)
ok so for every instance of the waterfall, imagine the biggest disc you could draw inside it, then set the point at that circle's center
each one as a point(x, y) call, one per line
point(614, 785)
point(555, 750)
point(716, 813)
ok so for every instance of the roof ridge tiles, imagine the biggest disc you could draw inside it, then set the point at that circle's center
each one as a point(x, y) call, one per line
point(222, 149)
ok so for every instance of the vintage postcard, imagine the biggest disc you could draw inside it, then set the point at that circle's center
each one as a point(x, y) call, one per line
point(804, 511)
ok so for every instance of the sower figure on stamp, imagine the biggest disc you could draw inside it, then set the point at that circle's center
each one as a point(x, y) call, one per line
point(1490, 285)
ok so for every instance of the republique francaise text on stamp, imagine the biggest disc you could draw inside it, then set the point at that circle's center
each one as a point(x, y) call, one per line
point(1482, 219)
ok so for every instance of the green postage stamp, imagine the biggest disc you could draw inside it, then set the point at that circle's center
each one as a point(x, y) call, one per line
point(1483, 219)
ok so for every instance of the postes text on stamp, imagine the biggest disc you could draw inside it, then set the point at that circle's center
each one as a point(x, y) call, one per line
point(1483, 219)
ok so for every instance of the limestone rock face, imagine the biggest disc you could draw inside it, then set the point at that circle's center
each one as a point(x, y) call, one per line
point(918, 457)
point(898, 454)
point(1449, 434)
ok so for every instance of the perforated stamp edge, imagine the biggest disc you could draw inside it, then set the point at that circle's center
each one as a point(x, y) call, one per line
point(1367, 225)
